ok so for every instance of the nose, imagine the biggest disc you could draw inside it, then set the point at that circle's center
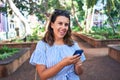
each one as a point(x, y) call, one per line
point(63, 26)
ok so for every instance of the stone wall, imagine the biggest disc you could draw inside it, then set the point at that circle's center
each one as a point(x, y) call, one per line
point(11, 64)
point(30, 45)
point(114, 52)
point(96, 42)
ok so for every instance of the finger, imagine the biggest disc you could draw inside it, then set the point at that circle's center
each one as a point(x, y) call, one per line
point(76, 60)
point(79, 63)
point(75, 56)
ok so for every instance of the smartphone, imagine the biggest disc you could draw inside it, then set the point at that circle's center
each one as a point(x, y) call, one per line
point(78, 52)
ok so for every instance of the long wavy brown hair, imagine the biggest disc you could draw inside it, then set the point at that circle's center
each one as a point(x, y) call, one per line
point(49, 35)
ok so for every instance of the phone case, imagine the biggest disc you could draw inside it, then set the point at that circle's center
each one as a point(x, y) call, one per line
point(78, 52)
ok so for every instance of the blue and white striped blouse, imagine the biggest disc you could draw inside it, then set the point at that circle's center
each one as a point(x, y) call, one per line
point(51, 55)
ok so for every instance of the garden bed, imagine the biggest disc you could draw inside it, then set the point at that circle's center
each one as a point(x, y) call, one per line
point(114, 52)
point(11, 64)
point(96, 42)
point(30, 45)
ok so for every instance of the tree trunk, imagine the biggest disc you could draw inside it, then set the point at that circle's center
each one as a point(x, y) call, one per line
point(88, 20)
point(20, 16)
point(47, 21)
point(92, 16)
point(111, 23)
point(76, 16)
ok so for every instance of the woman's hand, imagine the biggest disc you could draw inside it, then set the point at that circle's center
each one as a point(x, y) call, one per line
point(70, 60)
point(74, 60)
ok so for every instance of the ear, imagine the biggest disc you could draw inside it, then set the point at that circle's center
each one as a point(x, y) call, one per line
point(52, 24)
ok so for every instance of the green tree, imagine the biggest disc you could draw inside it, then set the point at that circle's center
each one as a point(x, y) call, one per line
point(112, 9)
point(89, 11)
point(77, 9)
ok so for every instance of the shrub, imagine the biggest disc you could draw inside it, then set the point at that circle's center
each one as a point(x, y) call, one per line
point(6, 52)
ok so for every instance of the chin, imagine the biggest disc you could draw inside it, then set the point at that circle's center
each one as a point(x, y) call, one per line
point(61, 37)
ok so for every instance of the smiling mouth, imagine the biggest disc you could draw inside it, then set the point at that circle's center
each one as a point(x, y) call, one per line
point(63, 32)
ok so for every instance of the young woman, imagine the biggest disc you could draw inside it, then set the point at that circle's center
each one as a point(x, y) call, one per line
point(53, 56)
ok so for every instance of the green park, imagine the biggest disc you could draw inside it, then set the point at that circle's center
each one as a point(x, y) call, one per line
point(95, 25)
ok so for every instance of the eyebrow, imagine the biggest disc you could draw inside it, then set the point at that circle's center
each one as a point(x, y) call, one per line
point(63, 22)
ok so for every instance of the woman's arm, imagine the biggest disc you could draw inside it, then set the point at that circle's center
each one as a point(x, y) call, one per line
point(78, 68)
point(46, 73)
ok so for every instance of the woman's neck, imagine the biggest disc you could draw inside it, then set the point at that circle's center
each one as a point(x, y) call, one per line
point(59, 42)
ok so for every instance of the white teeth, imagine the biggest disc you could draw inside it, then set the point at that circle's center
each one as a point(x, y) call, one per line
point(62, 32)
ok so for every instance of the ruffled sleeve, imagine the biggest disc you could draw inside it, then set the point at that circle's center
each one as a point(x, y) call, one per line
point(39, 56)
point(76, 47)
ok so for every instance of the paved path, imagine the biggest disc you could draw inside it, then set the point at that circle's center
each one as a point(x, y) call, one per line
point(98, 66)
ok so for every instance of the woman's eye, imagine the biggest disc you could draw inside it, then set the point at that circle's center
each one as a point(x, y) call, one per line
point(66, 24)
point(60, 23)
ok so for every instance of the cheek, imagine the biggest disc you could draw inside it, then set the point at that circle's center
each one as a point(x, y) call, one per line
point(67, 28)
point(56, 28)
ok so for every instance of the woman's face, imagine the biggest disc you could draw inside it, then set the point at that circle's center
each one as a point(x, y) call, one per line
point(60, 27)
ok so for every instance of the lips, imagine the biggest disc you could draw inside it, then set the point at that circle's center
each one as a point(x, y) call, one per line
point(62, 32)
